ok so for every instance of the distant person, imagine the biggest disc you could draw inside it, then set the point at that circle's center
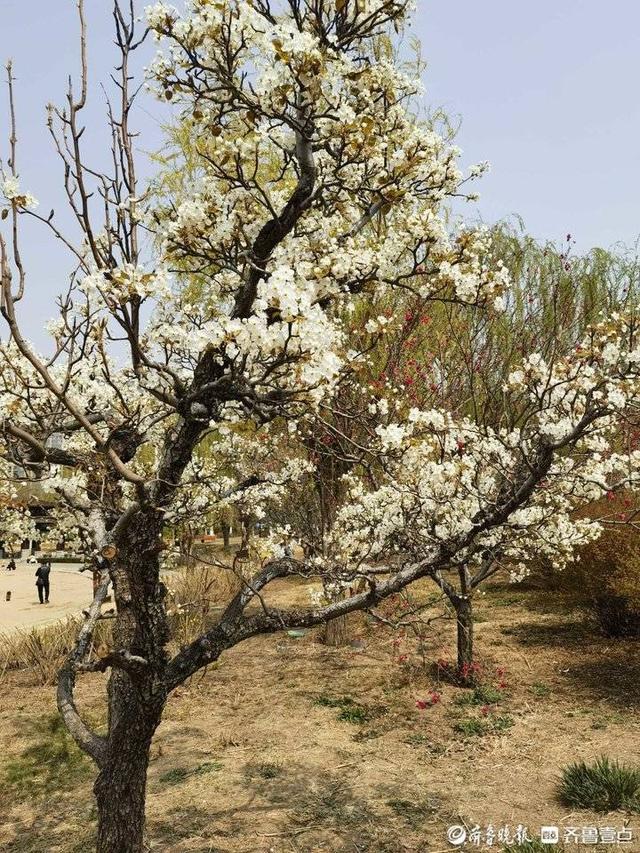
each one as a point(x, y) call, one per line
point(12, 565)
point(42, 582)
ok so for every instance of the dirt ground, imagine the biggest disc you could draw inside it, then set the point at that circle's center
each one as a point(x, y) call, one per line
point(70, 592)
point(289, 746)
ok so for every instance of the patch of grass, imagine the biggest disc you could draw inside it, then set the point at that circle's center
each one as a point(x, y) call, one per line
point(350, 711)
point(577, 712)
point(354, 714)
point(52, 763)
point(365, 734)
point(417, 740)
point(535, 846)
point(179, 824)
point(540, 690)
point(502, 723)
point(603, 786)
point(41, 650)
point(474, 727)
point(603, 721)
point(175, 775)
point(471, 727)
point(179, 774)
point(484, 694)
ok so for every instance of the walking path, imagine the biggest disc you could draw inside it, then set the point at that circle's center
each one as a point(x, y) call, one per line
point(71, 591)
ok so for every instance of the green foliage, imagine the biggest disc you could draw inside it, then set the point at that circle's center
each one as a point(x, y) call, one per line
point(350, 711)
point(476, 727)
point(179, 774)
point(418, 740)
point(502, 722)
point(540, 690)
point(484, 694)
point(471, 727)
point(602, 786)
point(355, 714)
point(51, 763)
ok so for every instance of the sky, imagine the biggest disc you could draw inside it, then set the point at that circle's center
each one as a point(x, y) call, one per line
point(545, 90)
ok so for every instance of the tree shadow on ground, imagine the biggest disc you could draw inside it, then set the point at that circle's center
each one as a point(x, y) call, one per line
point(56, 827)
point(308, 810)
point(560, 632)
point(605, 668)
point(614, 677)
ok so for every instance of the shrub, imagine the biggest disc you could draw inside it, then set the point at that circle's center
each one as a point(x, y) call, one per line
point(603, 786)
point(605, 579)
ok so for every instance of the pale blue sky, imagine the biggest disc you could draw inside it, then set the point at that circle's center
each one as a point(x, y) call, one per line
point(546, 90)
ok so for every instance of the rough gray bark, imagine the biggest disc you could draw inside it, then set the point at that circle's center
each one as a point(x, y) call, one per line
point(137, 692)
point(120, 788)
point(464, 625)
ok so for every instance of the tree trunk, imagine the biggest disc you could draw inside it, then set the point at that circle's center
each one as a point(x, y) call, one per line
point(226, 536)
point(120, 788)
point(336, 632)
point(137, 693)
point(342, 630)
point(464, 620)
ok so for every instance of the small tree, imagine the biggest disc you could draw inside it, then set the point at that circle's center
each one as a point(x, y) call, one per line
point(462, 498)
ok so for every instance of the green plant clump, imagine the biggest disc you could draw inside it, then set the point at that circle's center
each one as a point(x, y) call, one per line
point(602, 786)
point(179, 774)
point(484, 694)
point(350, 711)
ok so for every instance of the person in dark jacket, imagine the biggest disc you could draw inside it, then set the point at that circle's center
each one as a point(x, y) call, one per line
point(42, 582)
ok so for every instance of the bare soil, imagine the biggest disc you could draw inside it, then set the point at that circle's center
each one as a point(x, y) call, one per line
point(289, 745)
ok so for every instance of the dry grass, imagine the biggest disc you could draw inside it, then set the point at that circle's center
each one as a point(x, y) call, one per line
point(40, 651)
point(197, 594)
point(195, 597)
point(258, 754)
